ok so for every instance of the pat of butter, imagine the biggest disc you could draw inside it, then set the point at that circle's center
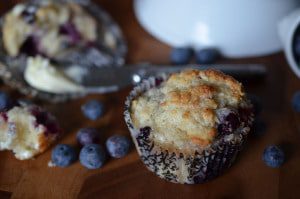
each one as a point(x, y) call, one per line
point(40, 74)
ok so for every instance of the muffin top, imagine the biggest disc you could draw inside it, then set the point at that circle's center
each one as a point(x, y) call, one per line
point(189, 108)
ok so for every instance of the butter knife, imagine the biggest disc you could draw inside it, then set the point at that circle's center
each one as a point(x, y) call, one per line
point(110, 79)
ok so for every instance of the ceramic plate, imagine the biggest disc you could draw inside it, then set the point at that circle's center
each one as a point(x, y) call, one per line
point(109, 36)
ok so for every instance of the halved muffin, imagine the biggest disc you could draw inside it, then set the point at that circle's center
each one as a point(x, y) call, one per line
point(27, 131)
point(189, 127)
point(47, 28)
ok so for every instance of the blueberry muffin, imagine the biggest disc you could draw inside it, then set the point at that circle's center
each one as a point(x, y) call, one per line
point(27, 130)
point(47, 28)
point(188, 127)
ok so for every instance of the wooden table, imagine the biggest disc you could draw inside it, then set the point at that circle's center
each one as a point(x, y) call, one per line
point(127, 177)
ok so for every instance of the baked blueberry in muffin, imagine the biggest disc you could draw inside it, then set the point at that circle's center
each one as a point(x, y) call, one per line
point(27, 130)
point(188, 127)
point(48, 28)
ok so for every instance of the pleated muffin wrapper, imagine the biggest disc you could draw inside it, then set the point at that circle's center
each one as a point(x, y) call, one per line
point(175, 166)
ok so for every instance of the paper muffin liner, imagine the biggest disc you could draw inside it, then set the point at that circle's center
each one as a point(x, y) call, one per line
point(178, 167)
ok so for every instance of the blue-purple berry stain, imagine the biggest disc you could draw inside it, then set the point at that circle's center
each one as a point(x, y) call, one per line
point(30, 46)
point(145, 131)
point(44, 118)
point(228, 121)
point(70, 30)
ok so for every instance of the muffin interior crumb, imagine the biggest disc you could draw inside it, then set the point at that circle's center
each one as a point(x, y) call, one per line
point(23, 132)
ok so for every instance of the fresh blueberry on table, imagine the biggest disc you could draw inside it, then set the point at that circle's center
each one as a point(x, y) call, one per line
point(5, 101)
point(87, 136)
point(296, 101)
point(207, 56)
point(117, 146)
point(181, 55)
point(273, 156)
point(63, 155)
point(93, 109)
point(92, 156)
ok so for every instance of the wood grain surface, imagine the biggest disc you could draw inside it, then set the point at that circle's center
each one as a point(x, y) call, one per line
point(128, 177)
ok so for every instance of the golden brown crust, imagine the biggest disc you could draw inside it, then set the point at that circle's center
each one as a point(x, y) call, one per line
point(184, 108)
point(191, 97)
point(212, 76)
point(217, 76)
point(43, 142)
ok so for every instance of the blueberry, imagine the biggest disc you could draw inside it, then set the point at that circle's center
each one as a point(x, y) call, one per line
point(87, 136)
point(229, 124)
point(70, 30)
point(93, 109)
point(256, 102)
point(273, 156)
point(181, 55)
point(63, 155)
point(229, 121)
point(117, 146)
point(92, 156)
point(207, 56)
point(296, 101)
point(5, 101)
point(158, 81)
point(145, 131)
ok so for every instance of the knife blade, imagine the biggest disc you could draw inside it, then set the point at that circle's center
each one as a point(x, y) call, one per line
point(109, 79)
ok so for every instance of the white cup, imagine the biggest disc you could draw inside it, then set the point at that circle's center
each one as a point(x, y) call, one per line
point(238, 28)
point(287, 29)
